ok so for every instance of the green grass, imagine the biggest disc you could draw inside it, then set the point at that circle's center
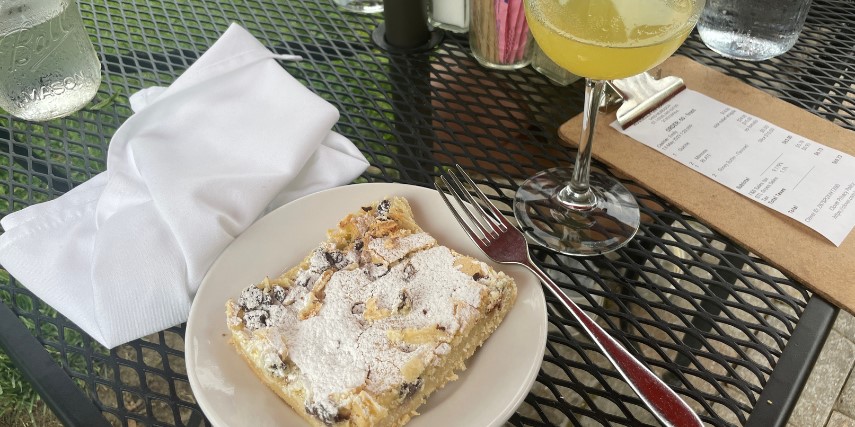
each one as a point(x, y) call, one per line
point(20, 405)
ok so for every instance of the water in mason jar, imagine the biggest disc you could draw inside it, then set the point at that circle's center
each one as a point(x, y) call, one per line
point(752, 29)
point(48, 68)
point(361, 6)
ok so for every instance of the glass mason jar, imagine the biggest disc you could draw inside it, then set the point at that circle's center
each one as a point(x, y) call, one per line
point(360, 6)
point(48, 67)
point(499, 37)
point(752, 30)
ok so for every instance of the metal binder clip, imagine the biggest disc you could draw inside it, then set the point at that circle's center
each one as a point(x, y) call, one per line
point(641, 94)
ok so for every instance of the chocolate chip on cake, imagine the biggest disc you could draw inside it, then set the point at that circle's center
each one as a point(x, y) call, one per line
point(303, 279)
point(277, 368)
point(318, 263)
point(327, 413)
point(409, 272)
point(409, 389)
point(279, 293)
point(383, 209)
point(250, 298)
point(266, 298)
point(358, 308)
point(376, 270)
point(404, 302)
point(477, 276)
point(275, 315)
point(336, 259)
point(255, 319)
point(358, 245)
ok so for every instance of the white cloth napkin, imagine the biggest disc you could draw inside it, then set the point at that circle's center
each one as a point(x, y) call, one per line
point(123, 254)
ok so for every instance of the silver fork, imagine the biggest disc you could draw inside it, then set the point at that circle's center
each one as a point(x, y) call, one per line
point(503, 243)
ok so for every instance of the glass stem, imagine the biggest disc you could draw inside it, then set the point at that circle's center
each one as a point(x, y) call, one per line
point(577, 194)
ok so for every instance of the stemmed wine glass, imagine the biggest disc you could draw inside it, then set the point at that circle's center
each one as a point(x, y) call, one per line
point(574, 210)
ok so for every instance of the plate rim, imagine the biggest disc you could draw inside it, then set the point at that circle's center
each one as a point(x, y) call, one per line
point(189, 352)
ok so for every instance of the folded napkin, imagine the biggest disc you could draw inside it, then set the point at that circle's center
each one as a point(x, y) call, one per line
point(122, 254)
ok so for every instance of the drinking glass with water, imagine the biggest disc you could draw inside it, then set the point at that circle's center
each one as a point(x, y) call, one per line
point(48, 67)
point(752, 30)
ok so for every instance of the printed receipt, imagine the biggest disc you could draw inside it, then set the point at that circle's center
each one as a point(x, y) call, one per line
point(800, 178)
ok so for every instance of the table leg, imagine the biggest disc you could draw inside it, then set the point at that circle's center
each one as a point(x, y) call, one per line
point(784, 386)
point(53, 384)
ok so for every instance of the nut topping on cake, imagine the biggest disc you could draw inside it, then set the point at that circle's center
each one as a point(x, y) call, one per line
point(251, 298)
point(373, 312)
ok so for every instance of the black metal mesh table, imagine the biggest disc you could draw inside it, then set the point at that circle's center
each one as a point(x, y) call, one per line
point(733, 336)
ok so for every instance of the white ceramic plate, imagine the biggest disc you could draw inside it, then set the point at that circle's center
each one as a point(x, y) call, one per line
point(496, 380)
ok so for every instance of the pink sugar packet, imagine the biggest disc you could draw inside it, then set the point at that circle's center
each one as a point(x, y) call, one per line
point(516, 15)
point(501, 27)
point(523, 40)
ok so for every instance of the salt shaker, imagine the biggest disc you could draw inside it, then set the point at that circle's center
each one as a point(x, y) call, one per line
point(50, 68)
point(450, 15)
point(547, 67)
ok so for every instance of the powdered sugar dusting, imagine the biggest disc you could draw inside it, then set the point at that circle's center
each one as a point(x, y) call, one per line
point(340, 348)
point(393, 249)
point(322, 347)
point(337, 349)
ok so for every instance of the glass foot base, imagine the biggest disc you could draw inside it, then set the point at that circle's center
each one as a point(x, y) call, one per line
point(605, 227)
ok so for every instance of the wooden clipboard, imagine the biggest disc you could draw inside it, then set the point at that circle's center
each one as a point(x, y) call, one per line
point(793, 248)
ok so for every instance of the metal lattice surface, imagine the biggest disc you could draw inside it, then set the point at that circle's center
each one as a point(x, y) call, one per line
point(710, 318)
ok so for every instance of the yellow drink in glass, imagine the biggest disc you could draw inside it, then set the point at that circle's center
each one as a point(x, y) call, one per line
point(578, 211)
point(582, 212)
point(610, 39)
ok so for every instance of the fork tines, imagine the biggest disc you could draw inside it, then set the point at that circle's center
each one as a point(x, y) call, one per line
point(486, 221)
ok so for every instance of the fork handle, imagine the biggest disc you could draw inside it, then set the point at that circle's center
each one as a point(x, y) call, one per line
point(669, 408)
